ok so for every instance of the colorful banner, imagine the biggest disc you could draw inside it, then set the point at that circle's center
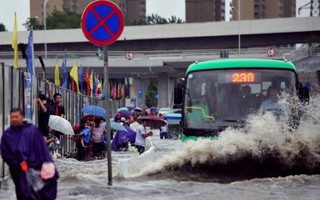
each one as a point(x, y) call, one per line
point(28, 95)
point(30, 54)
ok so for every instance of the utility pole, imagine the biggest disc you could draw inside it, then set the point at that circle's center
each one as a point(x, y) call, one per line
point(107, 99)
point(45, 26)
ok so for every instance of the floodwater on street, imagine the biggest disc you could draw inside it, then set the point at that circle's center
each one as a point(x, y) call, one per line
point(266, 160)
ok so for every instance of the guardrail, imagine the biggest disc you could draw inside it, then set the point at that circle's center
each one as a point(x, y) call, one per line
point(302, 52)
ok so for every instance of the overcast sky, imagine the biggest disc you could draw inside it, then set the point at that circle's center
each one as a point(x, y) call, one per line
point(164, 8)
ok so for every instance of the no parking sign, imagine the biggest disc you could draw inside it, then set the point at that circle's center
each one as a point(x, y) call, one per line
point(270, 52)
point(102, 22)
point(129, 55)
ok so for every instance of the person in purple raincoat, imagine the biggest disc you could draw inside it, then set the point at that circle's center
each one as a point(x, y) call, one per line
point(24, 150)
point(122, 138)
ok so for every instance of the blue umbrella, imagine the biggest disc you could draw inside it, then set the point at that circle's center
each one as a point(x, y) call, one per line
point(130, 107)
point(122, 108)
point(116, 126)
point(94, 110)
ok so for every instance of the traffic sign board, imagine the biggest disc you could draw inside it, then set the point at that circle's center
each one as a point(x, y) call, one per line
point(129, 55)
point(102, 22)
point(270, 52)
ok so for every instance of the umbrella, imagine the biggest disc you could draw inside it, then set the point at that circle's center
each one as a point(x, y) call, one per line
point(130, 106)
point(122, 108)
point(123, 137)
point(154, 122)
point(60, 124)
point(92, 117)
point(116, 126)
point(94, 110)
point(137, 109)
point(124, 113)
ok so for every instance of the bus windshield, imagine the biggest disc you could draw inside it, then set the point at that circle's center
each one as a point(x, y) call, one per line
point(221, 98)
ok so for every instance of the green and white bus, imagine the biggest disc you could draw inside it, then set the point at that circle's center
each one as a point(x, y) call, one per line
point(222, 93)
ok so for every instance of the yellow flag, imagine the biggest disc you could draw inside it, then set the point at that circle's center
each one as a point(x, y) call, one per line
point(56, 75)
point(91, 83)
point(99, 86)
point(15, 43)
point(75, 75)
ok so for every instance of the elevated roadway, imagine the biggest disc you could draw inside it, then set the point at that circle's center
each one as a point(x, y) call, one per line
point(161, 48)
point(208, 35)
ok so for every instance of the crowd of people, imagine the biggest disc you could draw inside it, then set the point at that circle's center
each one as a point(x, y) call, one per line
point(90, 134)
point(91, 137)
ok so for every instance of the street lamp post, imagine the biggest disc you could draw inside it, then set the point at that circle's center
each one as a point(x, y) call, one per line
point(45, 26)
point(239, 33)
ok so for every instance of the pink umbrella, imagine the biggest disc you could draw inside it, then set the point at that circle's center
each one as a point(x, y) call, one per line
point(137, 109)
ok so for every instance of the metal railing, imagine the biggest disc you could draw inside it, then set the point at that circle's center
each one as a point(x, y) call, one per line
point(164, 55)
point(302, 52)
point(14, 92)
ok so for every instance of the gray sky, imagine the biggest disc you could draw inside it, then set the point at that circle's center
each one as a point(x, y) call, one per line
point(164, 8)
point(7, 10)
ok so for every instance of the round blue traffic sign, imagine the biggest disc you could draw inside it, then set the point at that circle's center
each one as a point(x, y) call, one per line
point(102, 22)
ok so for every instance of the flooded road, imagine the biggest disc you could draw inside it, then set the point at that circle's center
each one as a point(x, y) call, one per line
point(267, 160)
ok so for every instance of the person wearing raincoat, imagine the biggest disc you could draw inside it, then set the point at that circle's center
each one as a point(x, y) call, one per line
point(24, 150)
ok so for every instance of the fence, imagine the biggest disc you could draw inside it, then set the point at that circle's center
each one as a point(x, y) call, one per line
point(20, 89)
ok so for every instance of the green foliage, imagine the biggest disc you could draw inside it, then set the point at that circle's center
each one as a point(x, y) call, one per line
point(2, 27)
point(57, 20)
point(34, 22)
point(154, 19)
point(151, 99)
point(63, 20)
point(175, 20)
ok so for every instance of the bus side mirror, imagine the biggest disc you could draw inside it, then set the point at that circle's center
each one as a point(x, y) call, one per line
point(178, 94)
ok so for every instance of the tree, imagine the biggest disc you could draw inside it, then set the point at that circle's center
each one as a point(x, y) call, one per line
point(63, 20)
point(35, 22)
point(56, 20)
point(2, 27)
point(151, 99)
point(175, 20)
point(154, 19)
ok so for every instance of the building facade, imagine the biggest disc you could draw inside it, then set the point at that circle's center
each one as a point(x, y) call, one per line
point(205, 10)
point(133, 10)
point(262, 9)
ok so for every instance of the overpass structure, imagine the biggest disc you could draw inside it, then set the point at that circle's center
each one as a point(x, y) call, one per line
point(165, 51)
point(159, 45)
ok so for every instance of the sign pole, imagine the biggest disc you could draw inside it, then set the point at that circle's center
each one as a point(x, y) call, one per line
point(103, 29)
point(107, 99)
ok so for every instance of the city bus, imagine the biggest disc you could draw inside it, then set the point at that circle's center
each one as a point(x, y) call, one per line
point(222, 93)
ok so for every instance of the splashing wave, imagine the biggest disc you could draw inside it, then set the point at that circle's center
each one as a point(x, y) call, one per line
point(266, 147)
